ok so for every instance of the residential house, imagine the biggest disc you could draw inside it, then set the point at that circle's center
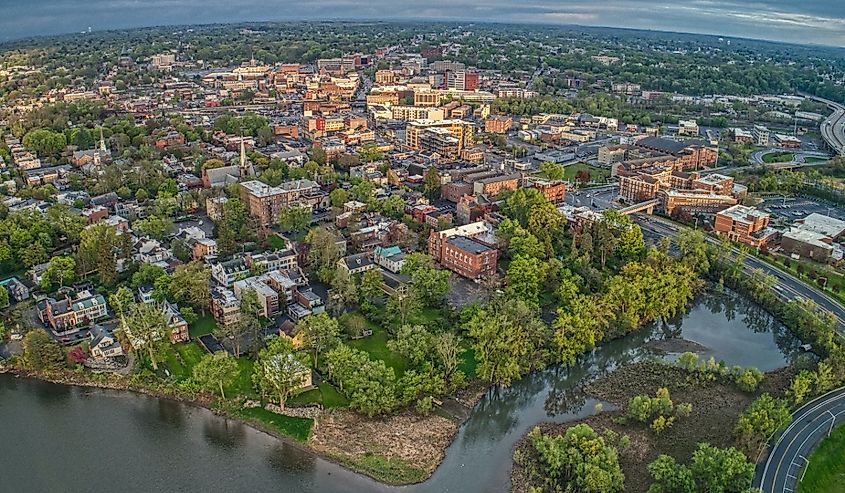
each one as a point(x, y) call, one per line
point(103, 344)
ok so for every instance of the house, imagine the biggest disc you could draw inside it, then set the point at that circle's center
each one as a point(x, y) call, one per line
point(17, 290)
point(226, 273)
point(305, 303)
point(267, 296)
point(357, 264)
point(176, 322)
point(145, 294)
point(225, 307)
point(391, 258)
point(103, 344)
point(66, 315)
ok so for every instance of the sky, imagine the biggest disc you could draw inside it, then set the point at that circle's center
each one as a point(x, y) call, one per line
point(799, 21)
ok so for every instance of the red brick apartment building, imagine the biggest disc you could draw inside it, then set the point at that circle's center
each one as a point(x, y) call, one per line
point(745, 224)
point(467, 257)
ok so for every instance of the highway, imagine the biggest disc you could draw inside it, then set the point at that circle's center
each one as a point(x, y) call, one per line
point(788, 287)
point(833, 127)
point(811, 424)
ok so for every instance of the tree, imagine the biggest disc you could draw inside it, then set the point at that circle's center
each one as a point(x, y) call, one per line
point(191, 284)
point(323, 252)
point(716, 469)
point(431, 183)
point(338, 197)
point(524, 277)
point(429, 283)
point(552, 171)
point(580, 460)
point(147, 329)
point(760, 420)
point(402, 303)
point(121, 301)
point(370, 385)
point(4, 300)
point(801, 387)
point(370, 287)
point(670, 477)
point(249, 320)
point(508, 339)
point(215, 371)
point(319, 334)
point(278, 372)
point(156, 227)
point(294, 218)
point(45, 142)
point(447, 348)
point(414, 343)
point(61, 270)
point(344, 291)
point(41, 352)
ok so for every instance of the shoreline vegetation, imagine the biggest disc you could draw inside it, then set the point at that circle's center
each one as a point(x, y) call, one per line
point(393, 470)
point(727, 415)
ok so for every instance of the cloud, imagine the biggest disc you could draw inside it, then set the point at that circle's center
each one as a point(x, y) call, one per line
point(809, 21)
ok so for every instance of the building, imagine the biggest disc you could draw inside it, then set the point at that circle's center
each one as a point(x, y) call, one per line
point(459, 129)
point(495, 185)
point(688, 128)
point(807, 244)
point(468, 257)
point(226, 273)
point(477, 230)
point(742, 136)
point(357, 263)
point(416, 113)
point(609, 155)
point(103, 344)
point(787, 141)
point(461, 80)
point(175, 322)
point(744, 224)
point(498, 124)
point(826, 225)
point(225, 307)
point(761, 135)
point(68, 314)
point(390, 258)
point(689, 154)
point(693, 201)
point(264, 202)
point(555, 191)
point(440, 141)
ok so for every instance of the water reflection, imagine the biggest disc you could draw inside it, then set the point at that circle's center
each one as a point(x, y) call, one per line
point(149, 445)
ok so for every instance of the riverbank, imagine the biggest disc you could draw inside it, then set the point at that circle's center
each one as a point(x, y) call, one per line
point(397, 450)
point(716, 407)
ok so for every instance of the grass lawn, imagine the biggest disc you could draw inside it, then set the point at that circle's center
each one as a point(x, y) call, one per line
point(275, 242)
point(826, 470)
point(243, 383)
point(181, 358)
point(778, 157)
point(325, 394)
point(202, 326)
point(297, 428)
point(376, 346)
point(596, 174)
point(395, 470)
point(813, 160)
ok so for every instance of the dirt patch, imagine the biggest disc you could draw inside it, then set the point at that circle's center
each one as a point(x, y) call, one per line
point(417, 442)
point(675, 346)
point(715, 409)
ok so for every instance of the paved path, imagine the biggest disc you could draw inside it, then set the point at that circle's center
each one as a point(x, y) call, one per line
point(788, 458)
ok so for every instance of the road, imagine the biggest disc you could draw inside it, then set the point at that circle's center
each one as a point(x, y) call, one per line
point(810, 425)
point(833, 127)
point(788, 287)
point(800, 159)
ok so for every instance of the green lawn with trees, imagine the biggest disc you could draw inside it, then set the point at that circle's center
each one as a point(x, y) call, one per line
point(585, 173)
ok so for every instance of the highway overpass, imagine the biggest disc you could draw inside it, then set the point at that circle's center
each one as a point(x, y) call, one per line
point(833, 127)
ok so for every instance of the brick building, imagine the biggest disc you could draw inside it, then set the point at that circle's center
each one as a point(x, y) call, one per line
point(745, 225)
point(498, 124)
point(468, 257)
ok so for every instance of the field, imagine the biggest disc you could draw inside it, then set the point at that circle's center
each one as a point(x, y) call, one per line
point(826, 471)
point(778, 157)
point(596, 174)
point(296, 428)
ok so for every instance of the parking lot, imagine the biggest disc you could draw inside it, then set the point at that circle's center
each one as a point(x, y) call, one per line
point(800, 207)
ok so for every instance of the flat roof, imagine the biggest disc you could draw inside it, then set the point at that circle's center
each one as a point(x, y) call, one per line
point(468, 244)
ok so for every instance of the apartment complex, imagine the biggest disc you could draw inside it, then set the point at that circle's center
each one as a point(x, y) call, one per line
point(263, 202)
point(459, 129)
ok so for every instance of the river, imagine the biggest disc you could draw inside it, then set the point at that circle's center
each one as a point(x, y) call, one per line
point(56, 438)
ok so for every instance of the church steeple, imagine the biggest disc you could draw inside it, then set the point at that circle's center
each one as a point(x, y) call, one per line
point(102, 141)
point(245, 166)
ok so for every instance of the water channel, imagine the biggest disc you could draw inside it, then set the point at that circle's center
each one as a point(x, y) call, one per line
point(55, 438)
